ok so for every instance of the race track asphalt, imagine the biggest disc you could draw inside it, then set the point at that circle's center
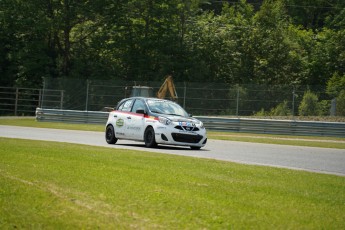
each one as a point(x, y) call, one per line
point(321, 160)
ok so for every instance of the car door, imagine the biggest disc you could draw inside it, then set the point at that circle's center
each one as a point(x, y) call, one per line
point(123, 119)
point(136, 128)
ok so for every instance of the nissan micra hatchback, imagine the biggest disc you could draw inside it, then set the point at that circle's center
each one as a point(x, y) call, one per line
point(154, 121)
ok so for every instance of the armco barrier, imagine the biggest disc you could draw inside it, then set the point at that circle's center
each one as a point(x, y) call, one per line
point(71, 116)
point(242, 125)
point(270, 126)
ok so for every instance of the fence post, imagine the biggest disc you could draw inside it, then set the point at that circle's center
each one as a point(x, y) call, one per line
point(333, 110)
point(39, 98)
point(43, 92)
point(184, 95)
point(16, 103)
point(237, 99)
point(61, 99)
point(87, 94)
point(293, 102)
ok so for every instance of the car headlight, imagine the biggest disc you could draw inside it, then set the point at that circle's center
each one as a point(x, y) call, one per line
point(202, 125)
point(164, 120)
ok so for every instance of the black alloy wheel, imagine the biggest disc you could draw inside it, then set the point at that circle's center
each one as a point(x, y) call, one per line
point(110, 135)
point(149, 138)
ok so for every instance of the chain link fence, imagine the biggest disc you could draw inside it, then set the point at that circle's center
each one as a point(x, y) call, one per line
point(16, 101)
point(19, 101)
point(198, 98)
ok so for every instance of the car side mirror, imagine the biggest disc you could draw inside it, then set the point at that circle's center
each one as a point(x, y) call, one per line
point(190, 115)
point(141, 111)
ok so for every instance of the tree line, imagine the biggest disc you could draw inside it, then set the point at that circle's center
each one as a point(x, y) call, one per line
point(294, 42)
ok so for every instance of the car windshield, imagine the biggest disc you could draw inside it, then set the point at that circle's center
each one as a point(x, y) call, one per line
point(166, 107)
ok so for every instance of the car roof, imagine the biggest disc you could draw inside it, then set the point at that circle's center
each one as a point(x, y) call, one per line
point(146, 98)
point(143, 98)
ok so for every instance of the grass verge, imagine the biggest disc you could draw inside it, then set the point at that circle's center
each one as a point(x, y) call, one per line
point(31, 122)
point(58, 185)
point(322, 142)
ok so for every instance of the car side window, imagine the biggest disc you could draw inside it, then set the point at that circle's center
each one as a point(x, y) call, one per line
point(138, 104)
point(126, 106)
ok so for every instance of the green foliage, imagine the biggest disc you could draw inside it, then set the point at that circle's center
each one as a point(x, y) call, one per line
point(335, 85)
point(273, 42)
point(309, 105)
point(324, 108)
point(281, 109)
point(340, 104)
point(261, 113)
point(271, 45)
point(315, 14)
point(220, 44)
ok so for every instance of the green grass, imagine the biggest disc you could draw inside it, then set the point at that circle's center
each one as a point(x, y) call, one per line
point(31, 122)
point(48, 185)
point(323, 142)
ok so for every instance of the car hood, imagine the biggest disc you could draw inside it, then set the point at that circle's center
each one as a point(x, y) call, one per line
point(182, 119)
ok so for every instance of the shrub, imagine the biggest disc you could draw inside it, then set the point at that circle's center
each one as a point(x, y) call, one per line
point(340, 106)
point(324, 108)
point(309, 105)
point(261, 113)
point(335, 85)
point(281, 109)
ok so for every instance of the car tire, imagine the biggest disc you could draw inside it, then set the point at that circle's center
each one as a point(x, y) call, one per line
point(194, 148)
point(149, 138)
point(110, 135)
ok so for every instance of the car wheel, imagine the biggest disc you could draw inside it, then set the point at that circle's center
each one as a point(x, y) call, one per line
point(195, 148)
point(110, 135)
point(149, 138)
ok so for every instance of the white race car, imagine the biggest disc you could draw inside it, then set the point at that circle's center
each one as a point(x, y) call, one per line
point(154, 121)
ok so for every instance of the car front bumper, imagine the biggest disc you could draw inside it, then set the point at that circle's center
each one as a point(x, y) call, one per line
point(173, 136)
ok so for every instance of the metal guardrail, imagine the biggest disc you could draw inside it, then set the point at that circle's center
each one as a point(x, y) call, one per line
point(270, 126)
point(71, 116)
point(242, 125)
